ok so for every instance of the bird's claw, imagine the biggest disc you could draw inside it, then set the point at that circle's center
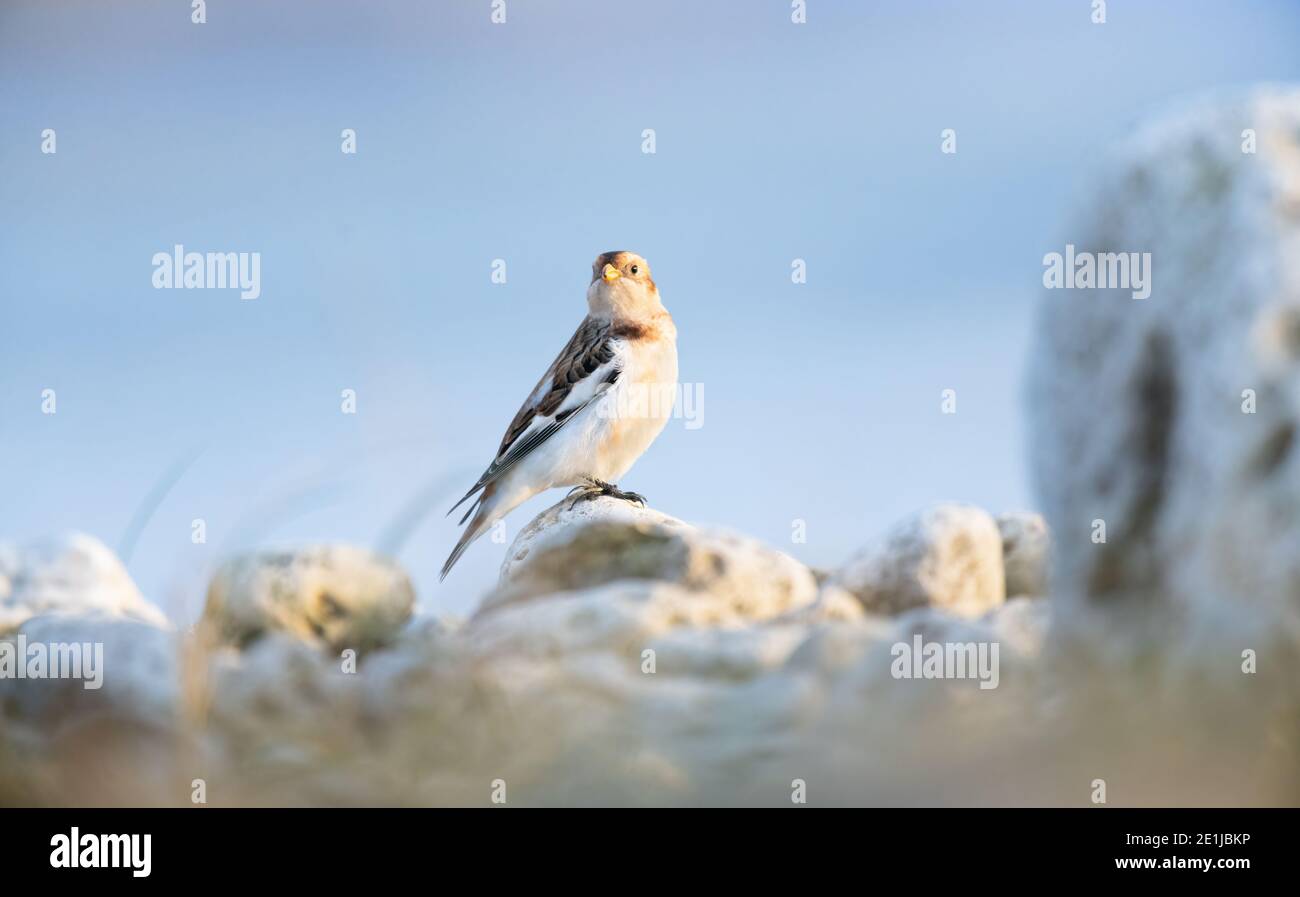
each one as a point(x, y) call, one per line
point(635, 497)
point(594, 488)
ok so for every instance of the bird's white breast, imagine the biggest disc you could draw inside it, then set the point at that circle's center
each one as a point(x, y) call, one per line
point(637, 408)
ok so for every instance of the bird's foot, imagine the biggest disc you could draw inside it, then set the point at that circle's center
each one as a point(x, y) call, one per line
point(594, 488)
point(581, 493)
point(614, 492)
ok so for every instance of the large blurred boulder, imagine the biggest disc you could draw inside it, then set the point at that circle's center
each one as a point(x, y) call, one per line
point(70, 574)
point(603, 540)
point(1140, 408)
point(949, 557)
point(335, 595)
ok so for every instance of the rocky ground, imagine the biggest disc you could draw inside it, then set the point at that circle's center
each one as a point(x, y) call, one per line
point(629, 657)
point(626, 657)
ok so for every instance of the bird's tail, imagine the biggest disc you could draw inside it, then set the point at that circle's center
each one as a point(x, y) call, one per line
point(483, 518)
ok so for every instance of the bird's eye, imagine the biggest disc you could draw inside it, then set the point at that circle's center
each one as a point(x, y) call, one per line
point(635, 269)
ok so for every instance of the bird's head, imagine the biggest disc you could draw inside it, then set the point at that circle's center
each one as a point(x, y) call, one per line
point(621, 287)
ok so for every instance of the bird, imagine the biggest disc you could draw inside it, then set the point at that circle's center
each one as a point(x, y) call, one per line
point(599, 406)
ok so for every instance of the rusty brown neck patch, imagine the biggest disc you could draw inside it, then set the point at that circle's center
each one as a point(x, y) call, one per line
point(629, 330)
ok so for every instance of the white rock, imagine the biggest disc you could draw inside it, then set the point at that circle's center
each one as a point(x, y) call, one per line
point(830, 650)
point(986, 647)
point(948, 557)
point(558, 523)
point(1136, 406)
point(623, 616)
point(1023, 624)
point(135, 665)
point(70, 574)
point(279, 680)
point(605, 540)
point(395, 674)
point(336, 595)
point(832, 605)
point(1026, 547)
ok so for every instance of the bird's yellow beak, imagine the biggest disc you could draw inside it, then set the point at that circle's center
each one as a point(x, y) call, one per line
point(610, 274)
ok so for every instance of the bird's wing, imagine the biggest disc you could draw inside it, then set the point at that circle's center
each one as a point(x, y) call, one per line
point(586, 367)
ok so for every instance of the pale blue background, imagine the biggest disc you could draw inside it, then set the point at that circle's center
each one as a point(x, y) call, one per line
point(522, 142)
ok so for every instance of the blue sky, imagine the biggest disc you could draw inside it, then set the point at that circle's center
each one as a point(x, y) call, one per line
point(523, 142)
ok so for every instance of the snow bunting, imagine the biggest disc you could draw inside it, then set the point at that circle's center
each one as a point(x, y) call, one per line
point(601, 403)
